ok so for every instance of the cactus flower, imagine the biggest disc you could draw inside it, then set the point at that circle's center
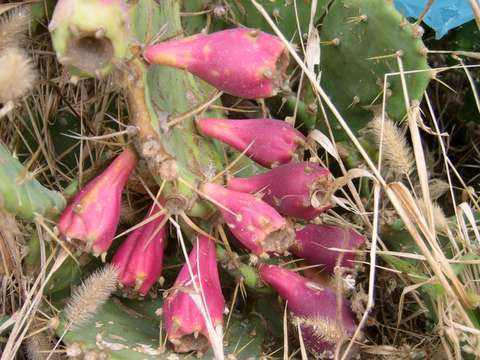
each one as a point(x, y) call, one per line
point(140, 257)
point(188, 313)
point(290, 188)
point(269, 142)
point(312, 243)
point(93, 214)
point(242, 62)
point(90, 36)
point(253, 222)
point(325, 323)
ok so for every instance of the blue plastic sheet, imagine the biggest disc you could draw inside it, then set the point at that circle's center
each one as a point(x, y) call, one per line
point(442, 16)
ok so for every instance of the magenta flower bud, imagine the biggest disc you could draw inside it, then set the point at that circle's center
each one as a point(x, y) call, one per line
point(242, 62)
point(291, 188)
point(324, 322)
point(269, 142)
point(253, 222)
point(313, 241)
point(140, 257)
point(92, 216)
point(192, 310)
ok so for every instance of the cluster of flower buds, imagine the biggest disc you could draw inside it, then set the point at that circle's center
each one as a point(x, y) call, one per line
point(253, 208)
point(257, 209)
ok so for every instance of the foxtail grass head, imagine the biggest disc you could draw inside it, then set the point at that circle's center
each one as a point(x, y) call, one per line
point(17, 71)
point(90, 296)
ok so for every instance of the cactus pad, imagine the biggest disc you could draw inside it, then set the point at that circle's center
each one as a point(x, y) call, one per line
point(22, 195)
point(282, 11)
point(129, 330)
point(362, 30)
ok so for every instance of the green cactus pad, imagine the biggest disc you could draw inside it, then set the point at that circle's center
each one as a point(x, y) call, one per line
point(282, 11)
point(194, 20)
point(21, 194)
point(364, 29)
point(130, 330)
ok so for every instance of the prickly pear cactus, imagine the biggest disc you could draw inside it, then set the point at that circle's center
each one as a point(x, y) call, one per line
point(207, 215)
point(226, 207)
point(364, 40)
point(165, 106)
point(23, 195)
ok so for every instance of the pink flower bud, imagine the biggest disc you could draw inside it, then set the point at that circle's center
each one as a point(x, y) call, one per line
point(242, 62)
point(253, 222)
point(140, 257)
point(93, 214)
point(290, 188)
point(312, 243)
point(269, 142)
point(326, 319)
point(191, 310)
